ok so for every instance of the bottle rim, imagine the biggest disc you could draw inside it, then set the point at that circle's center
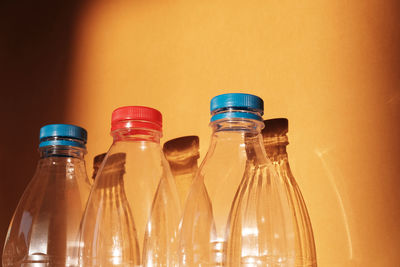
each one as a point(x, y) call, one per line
point(236, 114)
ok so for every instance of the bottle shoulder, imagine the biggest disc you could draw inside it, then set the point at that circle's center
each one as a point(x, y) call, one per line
point(55, 196)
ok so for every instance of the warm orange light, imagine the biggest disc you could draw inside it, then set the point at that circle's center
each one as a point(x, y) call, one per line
point(327, 66)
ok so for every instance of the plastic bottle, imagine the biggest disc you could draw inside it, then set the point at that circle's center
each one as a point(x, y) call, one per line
point(132, 214)
point(45, 226)
point(182, 154)
point(275, 142)
point(237, 212)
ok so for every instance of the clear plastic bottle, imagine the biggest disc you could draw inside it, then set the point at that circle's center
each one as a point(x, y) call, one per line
point(237, 212)
point(45, 226)
point(182, 154)
point(132, 215)
point(275, 142)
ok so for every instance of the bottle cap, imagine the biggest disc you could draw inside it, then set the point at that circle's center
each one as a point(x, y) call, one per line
point(237, 101)
point(77, 135)
point(136, 117)
point(275, 127)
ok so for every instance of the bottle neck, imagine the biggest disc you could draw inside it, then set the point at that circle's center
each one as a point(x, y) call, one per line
point(136, 134)
point(237, 138)
point(63, 162)
point(62, 151)
point(236, 126)
point(232, 113)
point(275, 146)
point(237, 132)
point(185, 166)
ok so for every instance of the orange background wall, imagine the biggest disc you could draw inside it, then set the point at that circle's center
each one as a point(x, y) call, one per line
point(330, 67)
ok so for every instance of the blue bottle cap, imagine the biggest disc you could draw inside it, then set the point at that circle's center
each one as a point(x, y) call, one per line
point(237, 101)
point(63, 131)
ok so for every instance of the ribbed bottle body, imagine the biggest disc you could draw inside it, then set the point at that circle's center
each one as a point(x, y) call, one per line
point(237, 212)
point(304, 238)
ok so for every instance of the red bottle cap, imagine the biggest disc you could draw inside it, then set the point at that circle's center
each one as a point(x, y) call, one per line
point(136, 117)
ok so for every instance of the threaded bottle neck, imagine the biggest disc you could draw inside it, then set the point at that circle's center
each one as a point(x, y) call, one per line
point(275, 146)
point(136, 134)
point(62, 151)
point(235, 113)
point(239, 125)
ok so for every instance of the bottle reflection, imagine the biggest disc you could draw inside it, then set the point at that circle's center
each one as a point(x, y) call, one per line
point(275, 142)
point(339, 209)
point(97, 160)
point(182, 154)
point(109, 232)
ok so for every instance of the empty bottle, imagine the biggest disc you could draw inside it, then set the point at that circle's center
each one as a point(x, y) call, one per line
point(237, 212)
point(133, 211)
point(182, 154)
point(275, 142)
point(45, 226)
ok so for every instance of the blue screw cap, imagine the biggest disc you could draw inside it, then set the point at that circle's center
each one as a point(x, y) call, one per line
point(63, 131)
point(238, 101)
point(245, 106)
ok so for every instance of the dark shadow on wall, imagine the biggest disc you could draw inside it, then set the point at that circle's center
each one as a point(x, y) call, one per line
point(36, 47)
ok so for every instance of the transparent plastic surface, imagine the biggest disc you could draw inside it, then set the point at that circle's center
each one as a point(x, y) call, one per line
point(133, 210)
point(97, 160)
point(182, 154)
point(237, 212)
point(275, 145)
point(44, 230)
